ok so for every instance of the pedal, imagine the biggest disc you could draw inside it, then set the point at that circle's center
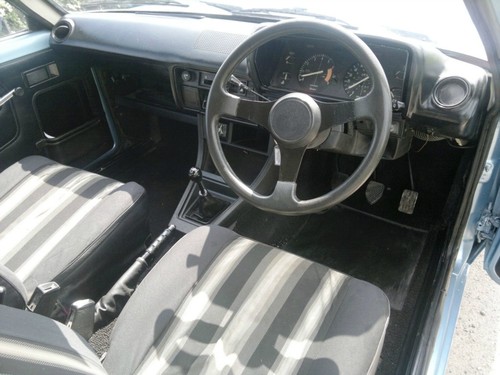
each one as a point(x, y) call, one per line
point(338, 178)
point(374, 191)
point(408, 201)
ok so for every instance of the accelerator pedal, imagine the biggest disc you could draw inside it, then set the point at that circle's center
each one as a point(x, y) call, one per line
point(409, 197)
point(374, 191)
point(408, 201)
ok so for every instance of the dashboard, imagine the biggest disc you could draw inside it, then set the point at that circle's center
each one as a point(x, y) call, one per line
point(434, 95)
point(325, 69)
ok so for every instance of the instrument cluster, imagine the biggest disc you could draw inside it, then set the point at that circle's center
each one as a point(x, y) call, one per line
point(322, 68)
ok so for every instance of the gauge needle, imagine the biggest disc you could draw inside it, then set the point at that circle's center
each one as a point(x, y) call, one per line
point(359, 82)
point(311, 74)
point(329, 75)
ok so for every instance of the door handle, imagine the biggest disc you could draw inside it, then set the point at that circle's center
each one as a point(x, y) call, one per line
point(18, 91)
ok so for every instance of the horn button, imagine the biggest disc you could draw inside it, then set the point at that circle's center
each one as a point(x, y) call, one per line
point(295, 119)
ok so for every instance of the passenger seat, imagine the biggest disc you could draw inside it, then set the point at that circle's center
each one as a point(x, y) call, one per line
point(62, 224)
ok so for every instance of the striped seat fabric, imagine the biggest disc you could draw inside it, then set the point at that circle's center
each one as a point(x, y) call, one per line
point(224, 304)
point(33, 344)
point(71, 226)
point(217, 303)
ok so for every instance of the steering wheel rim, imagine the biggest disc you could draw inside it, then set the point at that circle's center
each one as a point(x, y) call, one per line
point(375, 106)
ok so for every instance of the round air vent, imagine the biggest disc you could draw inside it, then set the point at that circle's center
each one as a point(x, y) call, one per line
point(62, 30)
point(451, 92)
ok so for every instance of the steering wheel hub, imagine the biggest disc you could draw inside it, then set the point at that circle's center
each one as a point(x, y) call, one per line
point(295, 119)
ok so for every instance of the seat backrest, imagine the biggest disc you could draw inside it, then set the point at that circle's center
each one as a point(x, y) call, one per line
point(74, 227)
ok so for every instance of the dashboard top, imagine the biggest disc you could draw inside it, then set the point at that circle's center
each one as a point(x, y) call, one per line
point(441, 95)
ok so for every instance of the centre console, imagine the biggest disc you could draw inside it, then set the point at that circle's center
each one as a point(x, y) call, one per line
point(246, 146)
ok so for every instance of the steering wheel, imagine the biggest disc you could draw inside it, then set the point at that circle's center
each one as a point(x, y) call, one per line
point(298, 122)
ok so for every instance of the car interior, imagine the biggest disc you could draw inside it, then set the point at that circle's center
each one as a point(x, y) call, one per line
point(289, 192)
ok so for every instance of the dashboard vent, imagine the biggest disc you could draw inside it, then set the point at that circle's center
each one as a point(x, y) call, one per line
point(62, 30)
point(451, 92)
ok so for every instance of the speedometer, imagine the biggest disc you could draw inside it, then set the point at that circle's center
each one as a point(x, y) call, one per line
point(316, 72)
point(357, 82)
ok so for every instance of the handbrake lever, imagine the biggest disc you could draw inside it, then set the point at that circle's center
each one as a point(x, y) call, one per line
point(112, 303)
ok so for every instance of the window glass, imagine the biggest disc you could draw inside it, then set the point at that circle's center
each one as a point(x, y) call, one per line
point(11, 20)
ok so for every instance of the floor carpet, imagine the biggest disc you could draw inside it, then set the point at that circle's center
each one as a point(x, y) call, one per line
point(378, 251)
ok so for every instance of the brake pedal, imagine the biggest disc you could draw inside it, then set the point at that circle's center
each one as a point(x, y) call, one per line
point(374, 191)
point(338, 178)
point(408, 201)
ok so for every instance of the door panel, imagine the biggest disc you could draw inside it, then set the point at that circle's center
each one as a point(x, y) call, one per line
point(18, 124)
point(59, 115)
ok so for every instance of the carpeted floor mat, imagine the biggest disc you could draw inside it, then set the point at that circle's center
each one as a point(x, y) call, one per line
point(380, 252)
point(100, 339)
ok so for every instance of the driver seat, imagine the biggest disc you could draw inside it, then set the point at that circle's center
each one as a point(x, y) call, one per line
point(218, 303)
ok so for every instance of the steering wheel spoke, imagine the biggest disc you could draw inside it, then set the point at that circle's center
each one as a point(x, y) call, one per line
point(251, 110)
point(291, 160)
point(284, 196)
point(365, 107)
point(336, 113)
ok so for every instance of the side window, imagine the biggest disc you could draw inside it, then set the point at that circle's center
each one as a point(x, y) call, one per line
point(11, 20)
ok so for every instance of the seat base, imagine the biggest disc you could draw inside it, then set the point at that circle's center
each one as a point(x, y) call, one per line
point(237, 304)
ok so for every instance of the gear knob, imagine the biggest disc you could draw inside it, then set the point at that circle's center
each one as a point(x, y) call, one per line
point(196, 176)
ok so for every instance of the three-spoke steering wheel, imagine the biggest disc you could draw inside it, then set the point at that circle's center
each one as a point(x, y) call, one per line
point(298, 122)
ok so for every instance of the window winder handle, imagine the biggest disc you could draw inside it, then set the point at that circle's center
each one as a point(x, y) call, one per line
point(18, 91)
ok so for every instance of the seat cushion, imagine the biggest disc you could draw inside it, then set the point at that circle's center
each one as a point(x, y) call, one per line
point(67, 225)
point(33, 344)
point(220, 303)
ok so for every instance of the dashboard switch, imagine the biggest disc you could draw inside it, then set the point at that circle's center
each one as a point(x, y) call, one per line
point(186, 76)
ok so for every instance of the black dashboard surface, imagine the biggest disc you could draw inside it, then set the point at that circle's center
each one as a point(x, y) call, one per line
point(439, 95)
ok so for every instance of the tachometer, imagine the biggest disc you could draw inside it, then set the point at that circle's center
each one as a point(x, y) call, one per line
point(316, 72)
point(357, 82)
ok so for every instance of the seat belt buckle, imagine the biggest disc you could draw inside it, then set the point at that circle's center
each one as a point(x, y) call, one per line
point(44, 298)
point(81, 317)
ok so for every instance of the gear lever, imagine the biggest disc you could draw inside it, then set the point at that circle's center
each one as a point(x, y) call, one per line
point(208, 206)
point(196, 176)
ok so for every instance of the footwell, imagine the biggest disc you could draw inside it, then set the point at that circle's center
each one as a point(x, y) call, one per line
point(368, 248)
